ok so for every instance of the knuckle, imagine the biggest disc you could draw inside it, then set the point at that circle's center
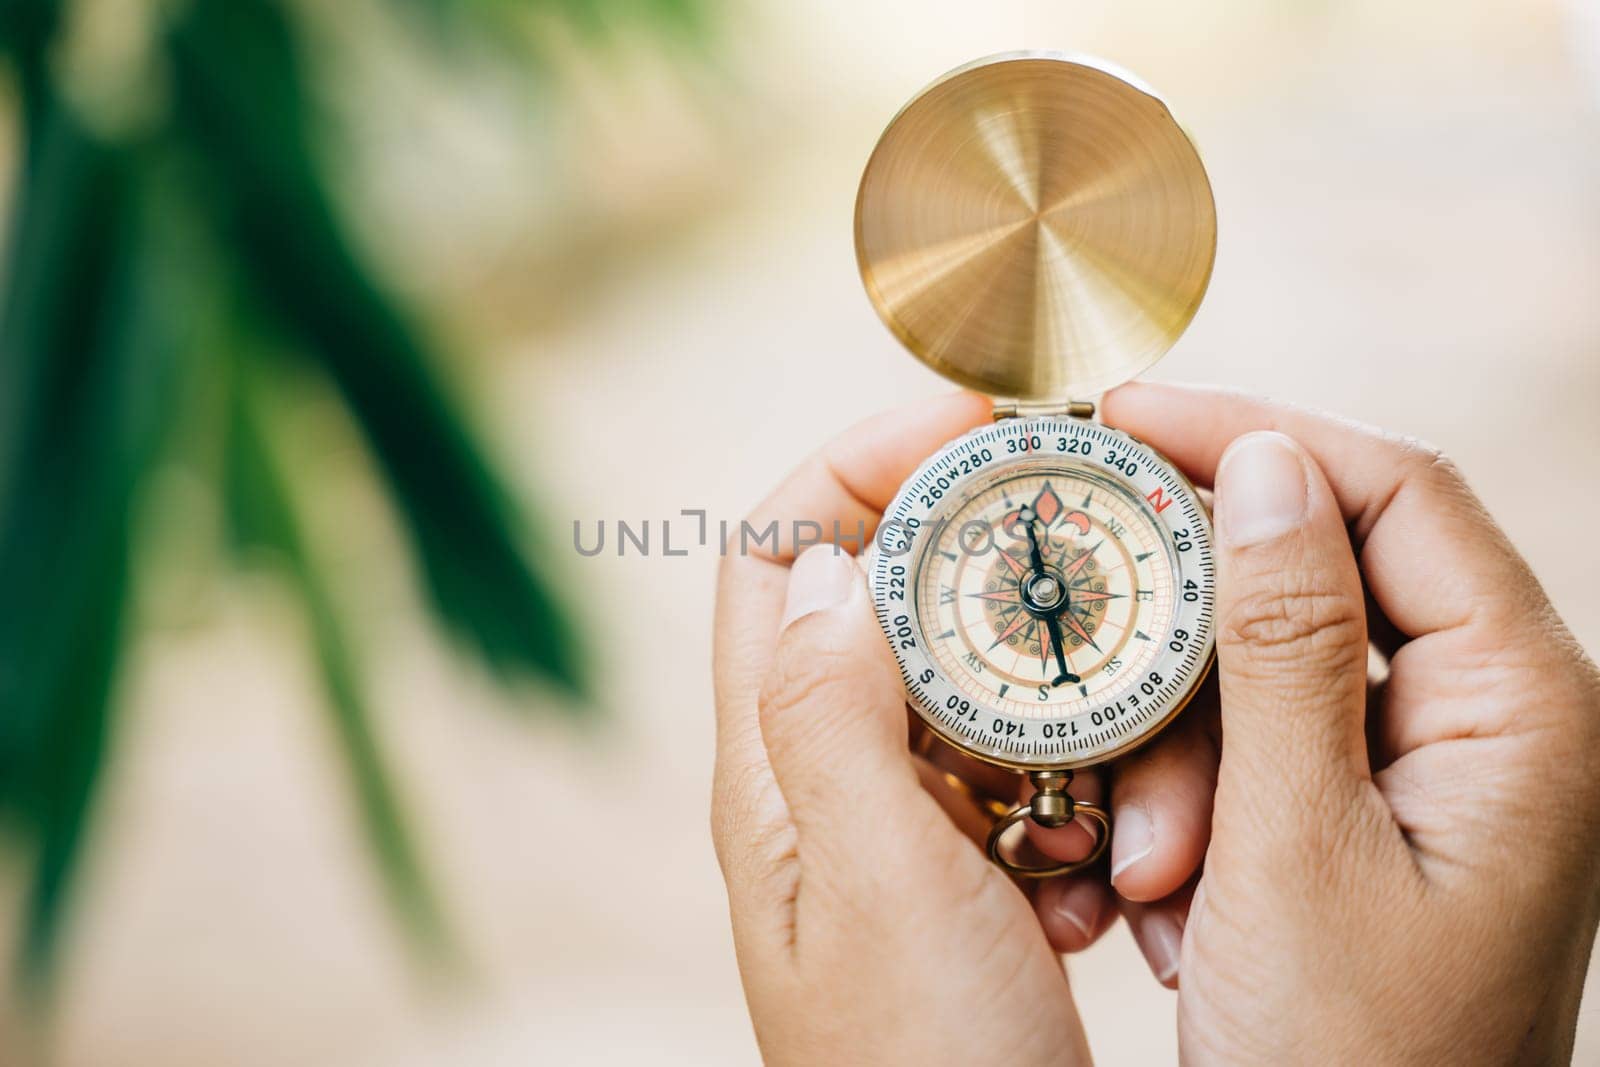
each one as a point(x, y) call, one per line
point(1415, 454)
point(1422, 463)
point(761, 851)
point(1303, 621)
point(750, 829)
point(737, 796)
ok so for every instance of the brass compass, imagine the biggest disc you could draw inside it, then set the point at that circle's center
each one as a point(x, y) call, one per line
point(1039, 228)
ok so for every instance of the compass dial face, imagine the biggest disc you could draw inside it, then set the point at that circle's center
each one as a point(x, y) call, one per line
point(1047, 587)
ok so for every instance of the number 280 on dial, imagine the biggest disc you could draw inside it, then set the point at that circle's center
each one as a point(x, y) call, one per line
point(1046, 585)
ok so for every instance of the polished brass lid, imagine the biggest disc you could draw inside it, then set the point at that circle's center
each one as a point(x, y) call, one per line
point(1036, 226)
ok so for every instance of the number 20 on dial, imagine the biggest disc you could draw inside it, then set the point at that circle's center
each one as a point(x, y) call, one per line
point(1038, 227)
point(1046, 585)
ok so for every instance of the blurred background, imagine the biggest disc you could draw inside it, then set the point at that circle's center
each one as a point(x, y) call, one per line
point(323, 323)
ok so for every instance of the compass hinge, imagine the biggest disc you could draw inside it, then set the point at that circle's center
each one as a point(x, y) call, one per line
point(1077, 409)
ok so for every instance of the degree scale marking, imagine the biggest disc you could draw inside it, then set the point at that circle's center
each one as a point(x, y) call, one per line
point(1024, 668)
point(1135, 712)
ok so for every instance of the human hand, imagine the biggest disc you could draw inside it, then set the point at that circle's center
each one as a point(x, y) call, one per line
point(869, 929)
point(1406, 873)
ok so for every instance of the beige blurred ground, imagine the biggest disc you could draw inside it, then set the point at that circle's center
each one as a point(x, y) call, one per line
point(1409, 199)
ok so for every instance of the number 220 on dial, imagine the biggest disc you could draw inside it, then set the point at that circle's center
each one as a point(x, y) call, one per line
point(1047, 588)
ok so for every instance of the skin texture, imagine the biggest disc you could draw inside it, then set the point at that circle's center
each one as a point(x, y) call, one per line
point(862, 916)
point(1371, 839)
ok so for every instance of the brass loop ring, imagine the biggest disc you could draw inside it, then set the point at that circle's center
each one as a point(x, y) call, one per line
point(998, 856)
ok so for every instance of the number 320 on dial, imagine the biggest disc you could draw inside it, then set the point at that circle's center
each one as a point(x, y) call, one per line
point(1047, 586)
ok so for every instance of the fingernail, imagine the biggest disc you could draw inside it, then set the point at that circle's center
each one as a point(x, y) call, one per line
point(1163, 944)
point(821, 578)
point(1261, 489)
point(1081, 910)
point(1132, 839)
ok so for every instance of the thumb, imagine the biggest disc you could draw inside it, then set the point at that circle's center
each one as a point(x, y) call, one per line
point(1291, 633)
point(833, 709)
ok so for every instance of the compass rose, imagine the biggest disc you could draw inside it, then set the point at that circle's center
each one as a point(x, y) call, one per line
point(1059, 598)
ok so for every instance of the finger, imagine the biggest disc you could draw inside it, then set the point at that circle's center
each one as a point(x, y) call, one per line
point(958, 800)
point(1161, 798)
point(1416, 525)
point(1291, 635)
point(839, 494)
point(832, 715)
point(973, 794)
point(1438, 568)
point(989, 783)
point(1074, 912)
point(1158, 931)
point(849, 482)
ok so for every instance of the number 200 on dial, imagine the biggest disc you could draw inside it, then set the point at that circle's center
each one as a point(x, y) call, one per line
point(1047, 587)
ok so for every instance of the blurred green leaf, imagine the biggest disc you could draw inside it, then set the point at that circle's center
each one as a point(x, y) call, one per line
point(263, 514)
point(26, 27)
point(86, 371)
point(507, 23)
point(240, 101)
point(103, 288)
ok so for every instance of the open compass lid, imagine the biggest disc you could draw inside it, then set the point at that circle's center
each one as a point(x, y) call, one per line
point(1036, 226)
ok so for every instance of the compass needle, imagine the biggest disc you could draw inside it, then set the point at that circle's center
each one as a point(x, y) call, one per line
point(1039, 228)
